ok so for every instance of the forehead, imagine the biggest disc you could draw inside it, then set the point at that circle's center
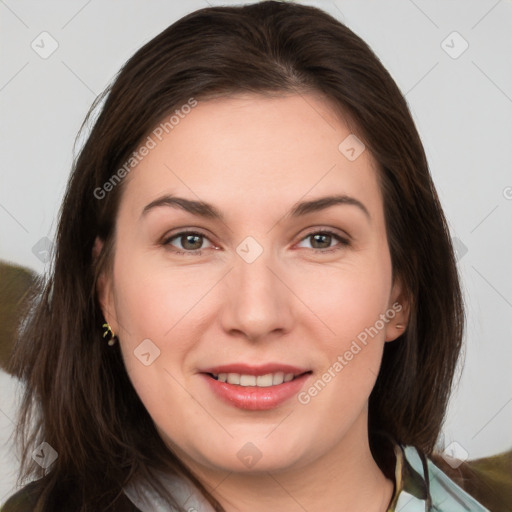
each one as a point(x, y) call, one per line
point(253, 151)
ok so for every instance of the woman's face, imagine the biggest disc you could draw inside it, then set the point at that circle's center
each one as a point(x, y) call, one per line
point(273, 283)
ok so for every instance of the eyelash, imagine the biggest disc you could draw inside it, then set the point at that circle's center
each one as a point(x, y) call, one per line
point(343, 242)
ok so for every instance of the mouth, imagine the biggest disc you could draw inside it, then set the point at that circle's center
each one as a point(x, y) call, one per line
point(255, 388)
point(261, 381)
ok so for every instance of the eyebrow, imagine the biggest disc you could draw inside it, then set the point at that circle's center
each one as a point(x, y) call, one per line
point(208, 211)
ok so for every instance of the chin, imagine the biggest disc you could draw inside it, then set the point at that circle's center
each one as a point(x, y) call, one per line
point(256, 453)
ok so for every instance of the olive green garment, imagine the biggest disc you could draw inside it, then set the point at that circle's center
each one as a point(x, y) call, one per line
point(15, 286)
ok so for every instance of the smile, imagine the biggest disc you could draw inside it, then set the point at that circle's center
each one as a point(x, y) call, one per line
point(255, 388)
point(262, 381)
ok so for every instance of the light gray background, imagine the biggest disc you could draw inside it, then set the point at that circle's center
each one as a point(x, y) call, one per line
point(462, 107)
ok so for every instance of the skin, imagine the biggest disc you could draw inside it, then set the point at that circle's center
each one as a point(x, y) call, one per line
point(253, 158)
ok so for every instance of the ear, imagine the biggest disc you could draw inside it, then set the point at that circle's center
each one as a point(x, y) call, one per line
point(104, 289)
point(399, 303)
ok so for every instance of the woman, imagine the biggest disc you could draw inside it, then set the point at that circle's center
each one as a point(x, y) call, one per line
point(254, 300)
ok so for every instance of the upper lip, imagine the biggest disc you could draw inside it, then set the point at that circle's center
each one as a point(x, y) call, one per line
point(257, 370)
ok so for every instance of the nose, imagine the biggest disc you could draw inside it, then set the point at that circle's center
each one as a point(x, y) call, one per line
point(257, 304)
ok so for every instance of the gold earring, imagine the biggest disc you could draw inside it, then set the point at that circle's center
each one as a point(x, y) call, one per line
point(108, 330)
point(399, 326)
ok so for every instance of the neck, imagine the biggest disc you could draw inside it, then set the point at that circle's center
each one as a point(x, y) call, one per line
point(346, 478)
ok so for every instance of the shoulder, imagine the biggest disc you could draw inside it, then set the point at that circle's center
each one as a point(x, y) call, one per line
point(25, 500)
point(450, 488)
point(438, 491)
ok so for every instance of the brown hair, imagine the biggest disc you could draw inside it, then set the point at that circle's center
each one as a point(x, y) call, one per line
point(77, 389)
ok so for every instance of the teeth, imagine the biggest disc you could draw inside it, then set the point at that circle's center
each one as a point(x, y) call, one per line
point(247, 380)
point(278, 378)
point(262, 381)
point(233, 378)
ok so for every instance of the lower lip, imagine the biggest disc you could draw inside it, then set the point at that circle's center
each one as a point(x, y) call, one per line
point(255, 398)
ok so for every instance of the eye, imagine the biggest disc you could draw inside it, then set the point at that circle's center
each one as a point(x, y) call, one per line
point(321, 241)
point(189, 241)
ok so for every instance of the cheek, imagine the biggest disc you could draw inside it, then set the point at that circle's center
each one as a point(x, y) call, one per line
point(348, 301)
point(152, 304)
point(153, 300)
point(166, 305)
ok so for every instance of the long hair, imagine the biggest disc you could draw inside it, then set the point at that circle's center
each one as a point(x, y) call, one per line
point(78, 397)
